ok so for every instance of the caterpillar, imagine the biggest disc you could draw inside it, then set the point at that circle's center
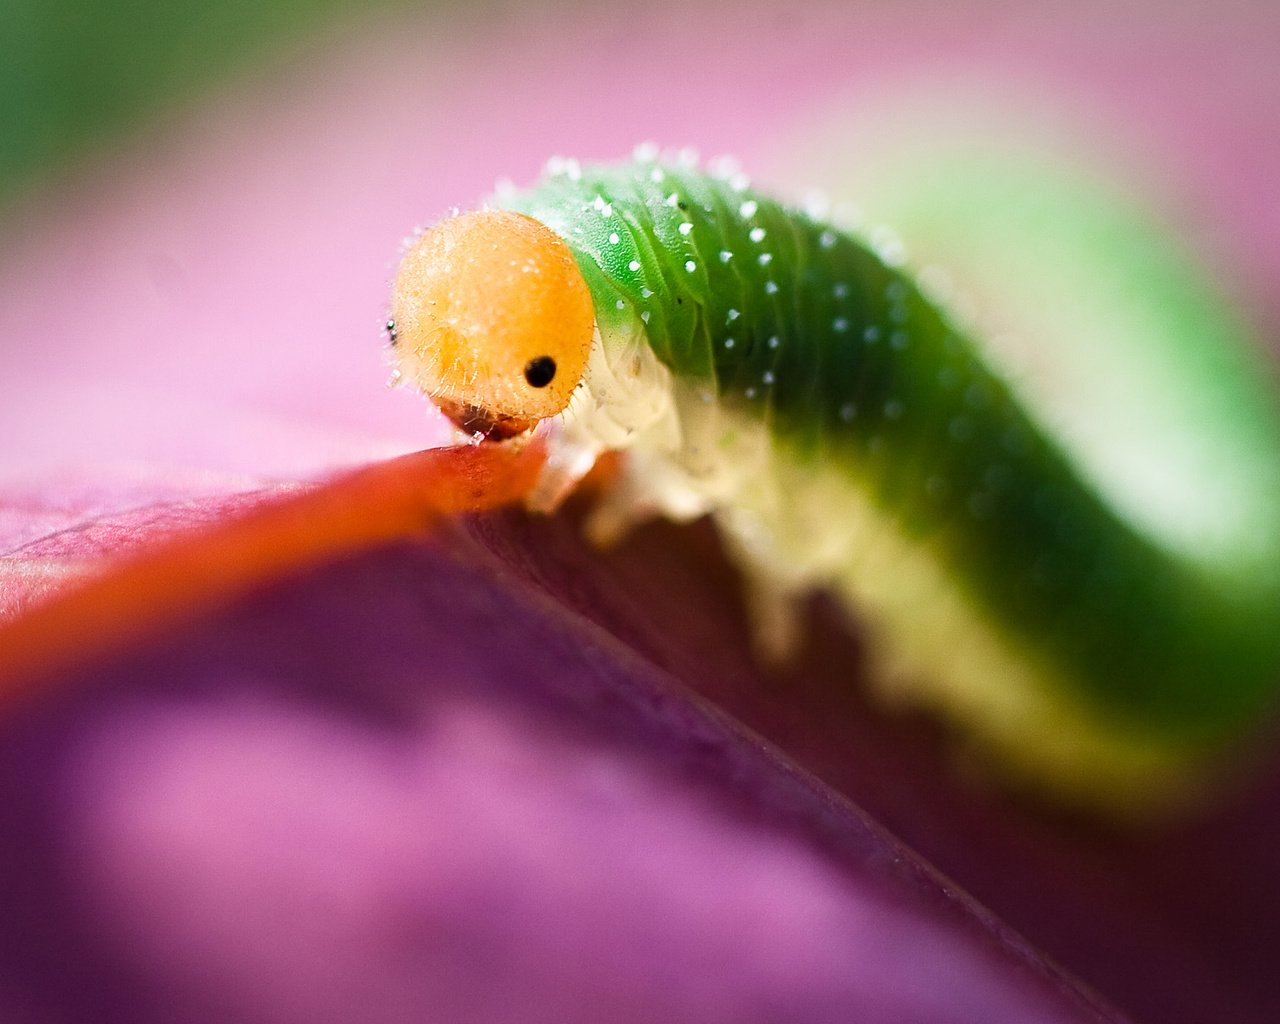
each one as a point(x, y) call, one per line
point(763, 367)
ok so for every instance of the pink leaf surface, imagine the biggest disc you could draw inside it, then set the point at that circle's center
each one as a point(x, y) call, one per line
point(404, 785)
point(496, 775)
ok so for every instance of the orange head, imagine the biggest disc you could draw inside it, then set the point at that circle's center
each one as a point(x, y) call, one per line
point(493, 321)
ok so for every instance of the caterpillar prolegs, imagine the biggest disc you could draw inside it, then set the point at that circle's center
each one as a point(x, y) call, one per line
point(764, 367)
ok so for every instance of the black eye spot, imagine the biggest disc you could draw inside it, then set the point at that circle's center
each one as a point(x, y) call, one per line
point(392, 336)
point(540, 372)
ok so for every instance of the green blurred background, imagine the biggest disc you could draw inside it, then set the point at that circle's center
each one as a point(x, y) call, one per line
point(76, 74)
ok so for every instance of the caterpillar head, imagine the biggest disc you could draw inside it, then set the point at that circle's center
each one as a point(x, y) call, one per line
point(493, 321)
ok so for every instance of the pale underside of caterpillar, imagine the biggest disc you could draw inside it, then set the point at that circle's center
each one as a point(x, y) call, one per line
point(767, 369)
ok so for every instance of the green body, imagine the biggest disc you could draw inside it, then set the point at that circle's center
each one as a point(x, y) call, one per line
point(798, 325)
